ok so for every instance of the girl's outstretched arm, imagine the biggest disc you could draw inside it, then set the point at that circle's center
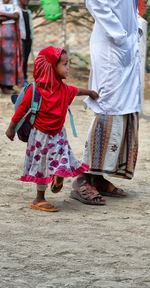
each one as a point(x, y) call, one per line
point(91, 93)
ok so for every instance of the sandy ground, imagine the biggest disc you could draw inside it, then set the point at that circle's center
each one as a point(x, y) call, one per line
point(80, 246)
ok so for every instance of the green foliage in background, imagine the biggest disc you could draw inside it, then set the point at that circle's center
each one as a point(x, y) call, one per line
point(35, 8)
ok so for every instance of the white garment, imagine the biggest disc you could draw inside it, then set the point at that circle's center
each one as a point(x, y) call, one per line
point(115, 57)
point(22, 24)
point(9, 8)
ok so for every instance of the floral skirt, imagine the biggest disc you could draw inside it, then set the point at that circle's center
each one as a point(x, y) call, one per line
point(47, 156)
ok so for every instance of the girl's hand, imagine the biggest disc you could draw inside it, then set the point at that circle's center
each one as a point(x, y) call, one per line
point(10, 133)
point(93, 95)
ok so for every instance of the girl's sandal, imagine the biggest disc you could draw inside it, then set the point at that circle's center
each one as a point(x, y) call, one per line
point(57, 184)
point(40, 206)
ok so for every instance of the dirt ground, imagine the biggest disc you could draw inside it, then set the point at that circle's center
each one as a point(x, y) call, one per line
point(80, 246)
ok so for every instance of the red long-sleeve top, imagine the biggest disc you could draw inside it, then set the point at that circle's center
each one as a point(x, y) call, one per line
point(51, 116)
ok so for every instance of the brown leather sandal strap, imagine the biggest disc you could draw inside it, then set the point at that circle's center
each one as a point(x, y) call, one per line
point(88, 194)
point(88, 188)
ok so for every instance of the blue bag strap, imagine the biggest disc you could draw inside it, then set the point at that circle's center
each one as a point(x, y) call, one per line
point(35, 106)
point(19, 124)
point(72, 122)
point(35, 103)
point(136, 3)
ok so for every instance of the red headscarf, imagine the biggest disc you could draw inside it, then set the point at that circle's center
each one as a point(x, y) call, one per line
point(141, 7)
point(45, 73)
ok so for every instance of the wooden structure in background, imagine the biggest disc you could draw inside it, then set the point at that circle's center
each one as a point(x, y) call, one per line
point(63, 5)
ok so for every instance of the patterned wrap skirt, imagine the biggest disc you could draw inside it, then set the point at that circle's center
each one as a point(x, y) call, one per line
point(112, 145)
point(11, 59)
point(47, 156)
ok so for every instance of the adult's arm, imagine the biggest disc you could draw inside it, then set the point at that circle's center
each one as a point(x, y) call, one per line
point(103, 14)
point(3, 18)
point(9, 16)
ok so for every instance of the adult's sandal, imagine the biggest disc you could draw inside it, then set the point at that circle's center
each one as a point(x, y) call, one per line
point(88, 194)
point(116, 192)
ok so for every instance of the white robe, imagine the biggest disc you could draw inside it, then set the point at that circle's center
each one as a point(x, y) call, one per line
point(115, 57)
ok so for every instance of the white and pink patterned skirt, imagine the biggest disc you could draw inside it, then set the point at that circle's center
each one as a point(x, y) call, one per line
point(47, 156)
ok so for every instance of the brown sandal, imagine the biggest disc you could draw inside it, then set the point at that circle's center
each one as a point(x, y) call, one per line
point(116, 192)
point(57, 184)
point(106, 188)
point(88, 194)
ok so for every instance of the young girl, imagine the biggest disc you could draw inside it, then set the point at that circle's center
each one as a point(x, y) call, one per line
point(11, 60)
point(48, 152)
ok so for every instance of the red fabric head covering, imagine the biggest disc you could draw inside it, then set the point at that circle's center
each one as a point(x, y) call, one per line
point(45, 72)
point(141, 7)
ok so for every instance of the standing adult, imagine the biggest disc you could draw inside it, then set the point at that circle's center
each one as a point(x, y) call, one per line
point(11, 61)
point(112, 142)
point(26, 29)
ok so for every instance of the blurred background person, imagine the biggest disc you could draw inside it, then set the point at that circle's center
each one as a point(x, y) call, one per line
point(11, 61)
point(26, 29)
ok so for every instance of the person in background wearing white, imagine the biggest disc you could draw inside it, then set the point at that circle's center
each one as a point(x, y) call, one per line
point(11, 62)
point(26, 29)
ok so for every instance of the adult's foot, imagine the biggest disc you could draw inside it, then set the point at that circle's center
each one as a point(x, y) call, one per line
point(85, 192)
point(106, 188)
point(88, 195)
point(8, 90)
